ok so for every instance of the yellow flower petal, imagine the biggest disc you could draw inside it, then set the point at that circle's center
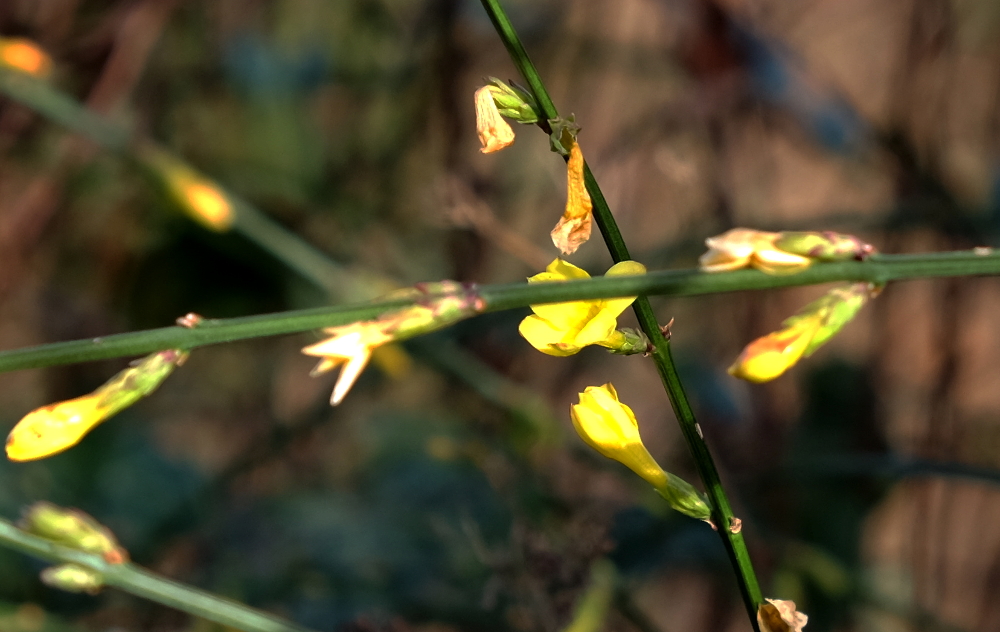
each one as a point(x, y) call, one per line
point(25, 55)
point(610, 427)
point(51, 429)
point(544, 336)
point(768, 357)
point(494, 132)
point(207, 204)
point(562, 329)
point(574, 227)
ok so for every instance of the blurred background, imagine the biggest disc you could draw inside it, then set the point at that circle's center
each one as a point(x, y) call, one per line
point(449, 492)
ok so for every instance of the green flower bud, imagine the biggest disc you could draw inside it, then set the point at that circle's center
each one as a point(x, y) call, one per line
point(73, 578)
point(823, 246)
point(514, 102)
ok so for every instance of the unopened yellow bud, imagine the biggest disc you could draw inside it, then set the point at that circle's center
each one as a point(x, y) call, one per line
point(769, 356)
point(198, 196)
point(51, 429)
point(24, 55)
point(494, 132)
point(610, 427)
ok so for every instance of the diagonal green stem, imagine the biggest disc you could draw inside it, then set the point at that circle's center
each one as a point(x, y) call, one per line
point(722, 513)
point(143, 583)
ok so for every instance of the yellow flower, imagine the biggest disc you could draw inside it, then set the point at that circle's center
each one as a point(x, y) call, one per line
point(24, 55)
point(562, 329)
point(51, 429)
point(810, 328)
point(779, 253)
point(202, 199)
point(574, 226)
point(441, 304)
point(610, 427)
point(769, 356)
point(778, 615)
point(351, 346)
point(748, 248)
point(494, 132)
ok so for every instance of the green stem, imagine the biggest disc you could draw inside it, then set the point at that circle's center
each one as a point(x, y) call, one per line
point(879, 270)
point(143, 583)
point(722, 513)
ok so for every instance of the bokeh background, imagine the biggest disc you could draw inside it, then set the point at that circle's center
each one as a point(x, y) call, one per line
point(448, 492)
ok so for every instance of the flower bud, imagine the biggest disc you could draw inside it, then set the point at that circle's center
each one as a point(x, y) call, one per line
point(198, 196)
point(770, 356)
point(610, 427)
point(823, 246)
point(514, 102)
point(51, 429)
point(779, 253)
point(73, 578)
point(24, 55)
point(73, 528)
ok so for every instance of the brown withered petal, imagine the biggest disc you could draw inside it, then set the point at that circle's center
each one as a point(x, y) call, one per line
point(574, 226)
point(494, 132)
point(780, 615)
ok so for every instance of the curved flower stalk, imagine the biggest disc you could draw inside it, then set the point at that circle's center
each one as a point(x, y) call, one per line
point(51, 429)
point(780, 615)
point(563, 329)
point(610, 427)
point(25, 56)
point(351, 346)
point(778, 253)
point(770, 356)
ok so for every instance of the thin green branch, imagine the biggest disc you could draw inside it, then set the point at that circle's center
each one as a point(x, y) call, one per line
point(143, 583)
point(879, 269)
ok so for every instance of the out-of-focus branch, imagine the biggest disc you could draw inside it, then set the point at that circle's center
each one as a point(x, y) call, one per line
point(143, 583)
